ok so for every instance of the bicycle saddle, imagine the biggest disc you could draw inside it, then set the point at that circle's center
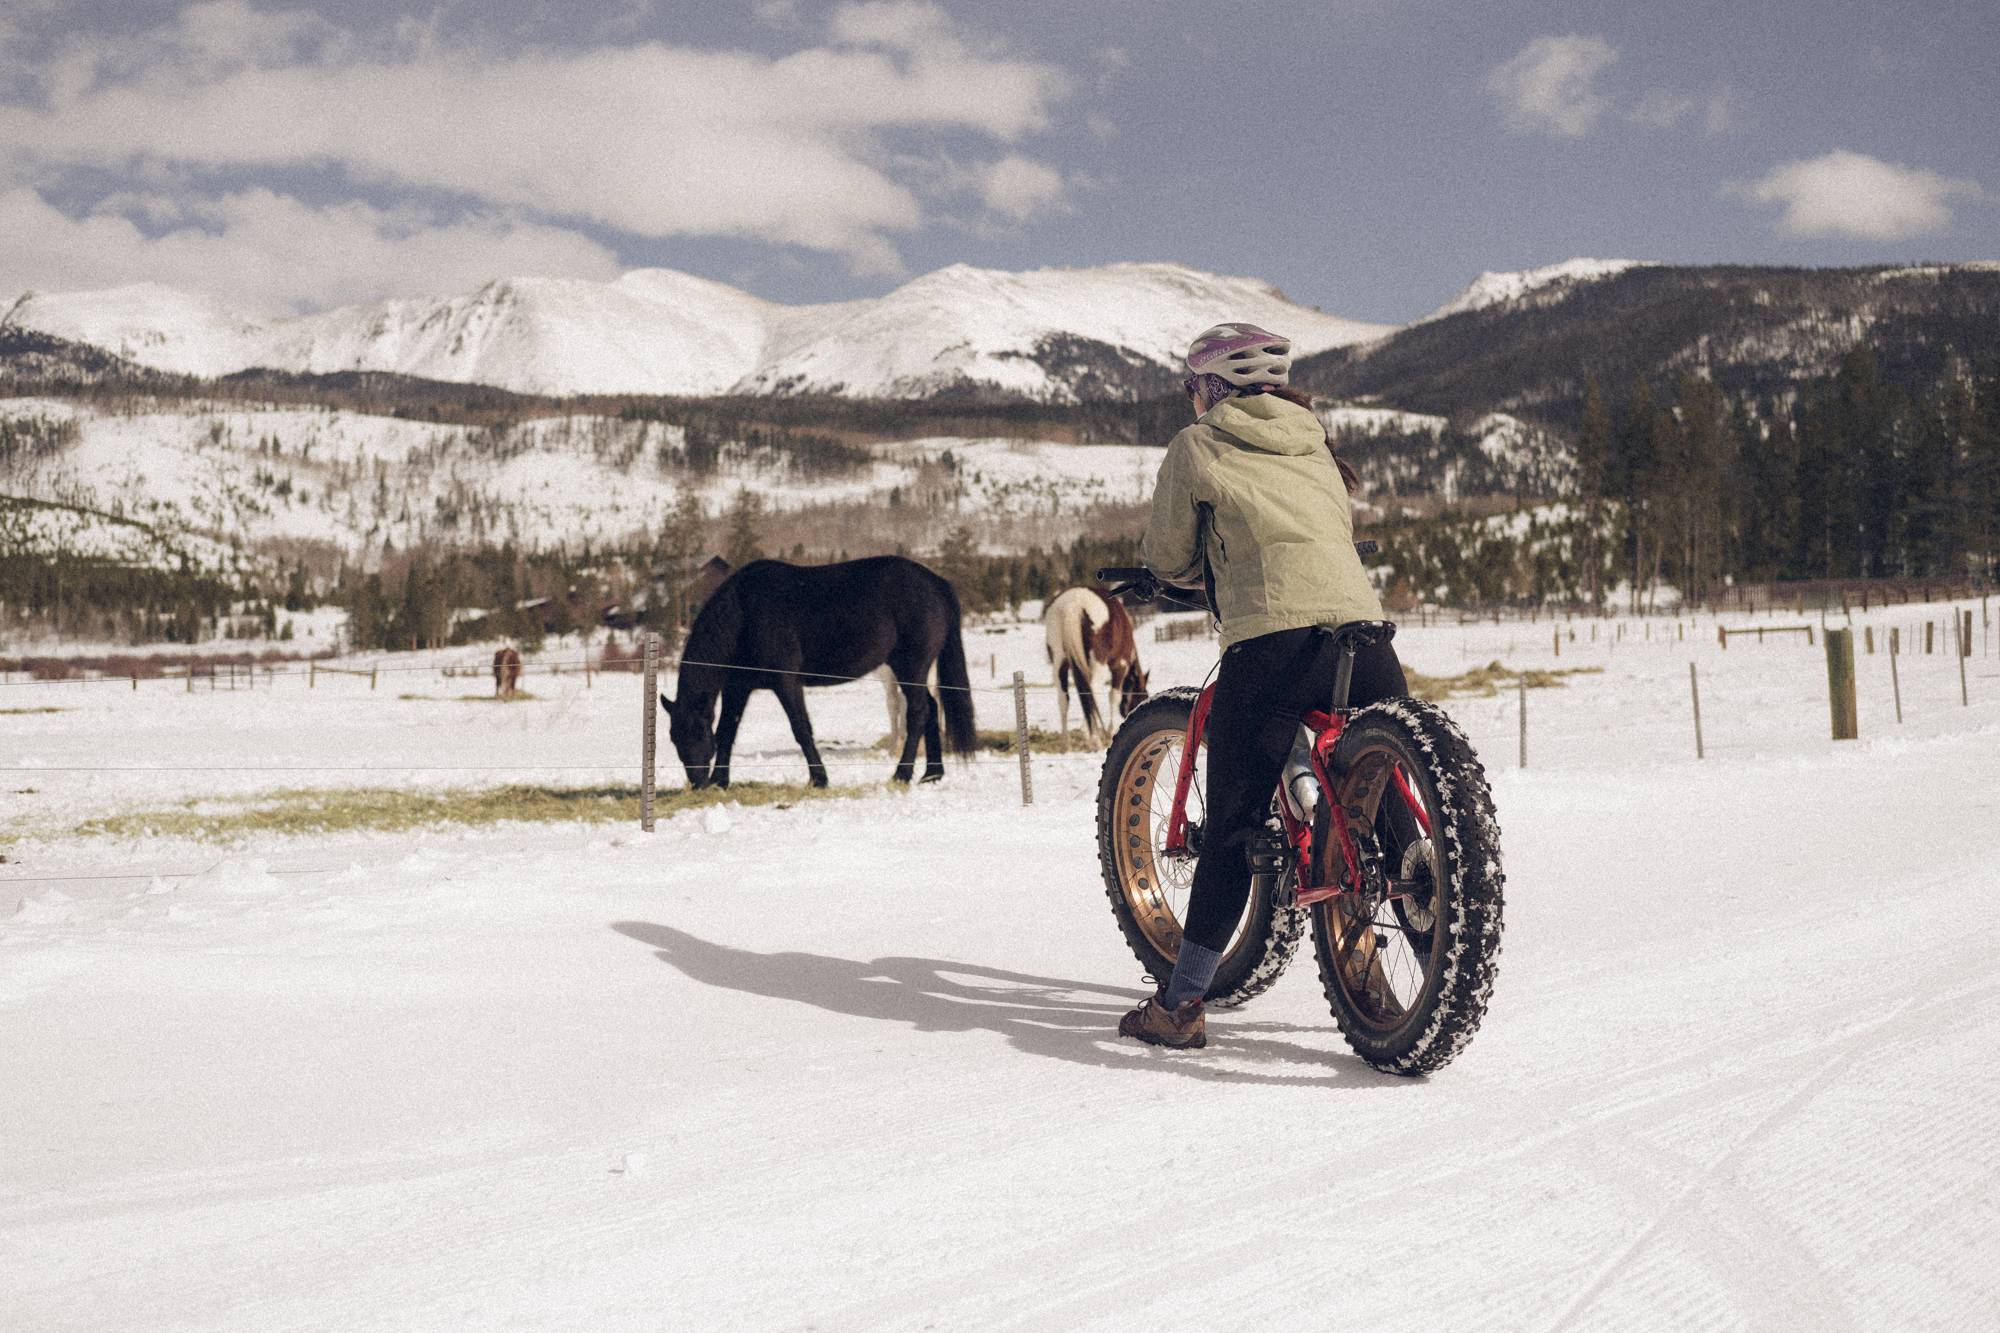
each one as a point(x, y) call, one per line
point(1363, 633)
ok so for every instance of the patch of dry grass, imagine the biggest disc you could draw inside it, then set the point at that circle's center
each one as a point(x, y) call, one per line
point(1486, 681)
point(309, 811)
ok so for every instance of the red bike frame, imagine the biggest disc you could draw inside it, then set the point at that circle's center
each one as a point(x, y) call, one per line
point(1326, 728)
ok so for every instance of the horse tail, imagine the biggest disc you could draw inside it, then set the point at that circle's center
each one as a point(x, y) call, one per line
point(1075, 628)
point(961, 732)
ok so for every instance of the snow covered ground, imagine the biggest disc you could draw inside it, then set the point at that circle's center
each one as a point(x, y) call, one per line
point(849, 1064)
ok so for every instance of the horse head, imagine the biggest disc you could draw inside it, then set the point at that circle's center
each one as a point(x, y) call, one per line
point(1131, 689)
point(691, 727)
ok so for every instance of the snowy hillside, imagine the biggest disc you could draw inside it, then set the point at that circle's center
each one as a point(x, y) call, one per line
point(1046, 334)
point(1497, 288)
point(353, 481)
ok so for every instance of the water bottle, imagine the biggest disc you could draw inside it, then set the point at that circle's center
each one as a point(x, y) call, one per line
point(1300, 786)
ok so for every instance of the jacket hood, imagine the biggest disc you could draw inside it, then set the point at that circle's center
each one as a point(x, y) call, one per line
point(1265, 421)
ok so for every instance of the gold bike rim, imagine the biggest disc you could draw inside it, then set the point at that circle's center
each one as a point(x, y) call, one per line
point(1156, 887)
point(1376, 963)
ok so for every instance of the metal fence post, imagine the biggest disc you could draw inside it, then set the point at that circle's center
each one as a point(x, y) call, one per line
point(1694, 689)
point(648, 730)
point(1895, 681)
point(1964, 647)
point(1021, 738)
point(1524, 721)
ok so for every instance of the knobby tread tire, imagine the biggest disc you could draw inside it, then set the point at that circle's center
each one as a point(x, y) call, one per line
point(1466, 837)
point(1270, 935)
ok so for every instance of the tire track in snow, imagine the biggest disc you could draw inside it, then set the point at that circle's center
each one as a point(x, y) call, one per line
point(1853, 1045)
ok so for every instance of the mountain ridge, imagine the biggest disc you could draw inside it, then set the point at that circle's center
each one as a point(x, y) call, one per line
point(1041, 333)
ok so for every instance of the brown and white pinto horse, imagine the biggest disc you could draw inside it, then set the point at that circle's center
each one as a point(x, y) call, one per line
point(506, 673)
point(1090, 641)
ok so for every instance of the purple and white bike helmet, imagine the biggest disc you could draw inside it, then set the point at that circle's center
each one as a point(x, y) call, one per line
point(1241, 355)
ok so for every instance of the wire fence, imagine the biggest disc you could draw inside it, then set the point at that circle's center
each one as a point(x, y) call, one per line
point(254, 673)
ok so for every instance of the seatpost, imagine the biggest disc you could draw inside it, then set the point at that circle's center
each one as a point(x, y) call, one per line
point(1343, 675)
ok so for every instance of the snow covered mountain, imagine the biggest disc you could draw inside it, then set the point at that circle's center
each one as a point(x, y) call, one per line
point(1015, 331)
point(161, 328)
point(1050, 333)
point(1498, 288)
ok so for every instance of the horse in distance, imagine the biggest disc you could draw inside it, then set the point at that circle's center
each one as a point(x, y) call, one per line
point(506, 673)
point(1091, 646)
point(782, 627)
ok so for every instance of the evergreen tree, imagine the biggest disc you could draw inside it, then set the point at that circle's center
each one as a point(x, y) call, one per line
point(745, 516)
point(1593, 478)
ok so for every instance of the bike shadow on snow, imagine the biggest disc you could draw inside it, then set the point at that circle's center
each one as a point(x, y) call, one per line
point(1045, 1016)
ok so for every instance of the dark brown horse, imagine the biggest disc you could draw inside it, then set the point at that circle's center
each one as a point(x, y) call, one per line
point(1091, 645)
point(506, 673)
point(784, 628)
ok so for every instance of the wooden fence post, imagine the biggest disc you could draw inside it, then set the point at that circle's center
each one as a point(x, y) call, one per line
point(1840, 683)
point(648, 729)
point(312, 675)
point(1868, 638)
point(371, 676)
point(1021, 737)
point(1694, 690)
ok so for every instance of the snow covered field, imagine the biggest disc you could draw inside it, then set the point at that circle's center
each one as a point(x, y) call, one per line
point(849, 1064)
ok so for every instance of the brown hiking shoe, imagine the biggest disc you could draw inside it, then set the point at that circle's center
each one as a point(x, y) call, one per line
point(1182, 1029)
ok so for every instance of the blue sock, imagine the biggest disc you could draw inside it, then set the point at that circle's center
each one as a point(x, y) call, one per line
point(1193, 971)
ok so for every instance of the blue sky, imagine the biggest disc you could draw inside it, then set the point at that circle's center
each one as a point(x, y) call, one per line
point(1368, 156)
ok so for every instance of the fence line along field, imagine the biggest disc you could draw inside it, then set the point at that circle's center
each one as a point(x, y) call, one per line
point(374, 1008)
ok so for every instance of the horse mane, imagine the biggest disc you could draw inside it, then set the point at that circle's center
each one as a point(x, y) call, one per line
point(712, 639)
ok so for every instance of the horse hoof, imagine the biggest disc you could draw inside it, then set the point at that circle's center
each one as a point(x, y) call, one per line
point(934, 775)
point(819, 780)
point(900, 775)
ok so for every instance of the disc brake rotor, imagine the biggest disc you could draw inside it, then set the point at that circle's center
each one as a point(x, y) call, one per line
point(1419, 867)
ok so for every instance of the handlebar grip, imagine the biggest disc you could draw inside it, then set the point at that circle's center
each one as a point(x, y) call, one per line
point(1368, 547)
point(1123, 573)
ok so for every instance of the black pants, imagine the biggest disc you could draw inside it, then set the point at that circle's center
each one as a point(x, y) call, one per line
point(1266, 684)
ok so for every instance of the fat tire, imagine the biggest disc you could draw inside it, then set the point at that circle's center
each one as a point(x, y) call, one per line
point(1466, 840)
point(1270, 935)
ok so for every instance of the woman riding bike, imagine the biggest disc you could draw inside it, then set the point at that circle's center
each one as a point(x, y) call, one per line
point(1252, 505)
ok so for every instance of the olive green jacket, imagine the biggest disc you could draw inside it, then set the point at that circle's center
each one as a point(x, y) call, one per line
point(1249, 502)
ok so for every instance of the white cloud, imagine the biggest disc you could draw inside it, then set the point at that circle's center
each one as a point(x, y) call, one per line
point(1664, 109)
point(650, 139)
point(1852, 194)
point(273, 253)
point(1018, 188)
point(902, 25)
point(1550, 86)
